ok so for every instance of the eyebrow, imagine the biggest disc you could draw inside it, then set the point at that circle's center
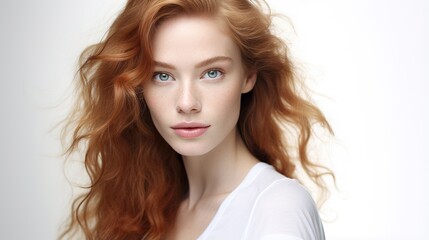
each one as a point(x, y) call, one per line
point(198, 65)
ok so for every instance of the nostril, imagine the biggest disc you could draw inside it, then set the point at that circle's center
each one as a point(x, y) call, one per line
point(188, 101)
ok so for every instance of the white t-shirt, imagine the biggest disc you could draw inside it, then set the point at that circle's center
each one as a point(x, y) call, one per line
point(267, 206)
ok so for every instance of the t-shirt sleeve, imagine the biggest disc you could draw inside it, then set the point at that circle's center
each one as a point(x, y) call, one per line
point(284, 211)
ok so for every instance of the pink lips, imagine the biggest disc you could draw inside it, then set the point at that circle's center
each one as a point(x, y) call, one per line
point(190, 130)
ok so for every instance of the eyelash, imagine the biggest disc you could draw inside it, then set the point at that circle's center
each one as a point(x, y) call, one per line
point(221, 73)
point(157, 74)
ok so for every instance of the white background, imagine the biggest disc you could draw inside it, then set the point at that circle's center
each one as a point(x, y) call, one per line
point(367, 60)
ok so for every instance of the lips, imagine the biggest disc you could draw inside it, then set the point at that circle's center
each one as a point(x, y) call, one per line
point(190, 130)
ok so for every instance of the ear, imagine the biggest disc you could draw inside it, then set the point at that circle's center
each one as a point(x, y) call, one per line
point(249, 82)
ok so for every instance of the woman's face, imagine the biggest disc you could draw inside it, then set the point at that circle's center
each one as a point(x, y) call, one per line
point(194, 96)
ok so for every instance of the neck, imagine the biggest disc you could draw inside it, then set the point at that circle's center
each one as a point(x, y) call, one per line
point(219, 171)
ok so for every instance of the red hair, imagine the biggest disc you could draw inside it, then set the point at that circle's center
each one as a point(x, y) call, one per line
point(137, 181)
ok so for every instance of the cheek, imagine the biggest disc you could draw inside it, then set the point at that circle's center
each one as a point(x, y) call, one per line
point(228, 103)
point(155, 103)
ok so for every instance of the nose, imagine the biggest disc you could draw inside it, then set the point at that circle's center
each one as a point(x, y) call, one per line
point(188, 100)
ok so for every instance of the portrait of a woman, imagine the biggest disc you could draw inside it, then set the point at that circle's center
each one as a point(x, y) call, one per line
point(194, 127)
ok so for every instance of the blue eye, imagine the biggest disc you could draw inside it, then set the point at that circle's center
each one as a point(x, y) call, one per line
point(162, 77)
point(212, 74)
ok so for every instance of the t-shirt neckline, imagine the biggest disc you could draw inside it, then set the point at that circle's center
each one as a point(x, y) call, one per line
point(248, 179)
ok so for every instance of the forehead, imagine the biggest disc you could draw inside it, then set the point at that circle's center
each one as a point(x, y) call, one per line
point(189, 39)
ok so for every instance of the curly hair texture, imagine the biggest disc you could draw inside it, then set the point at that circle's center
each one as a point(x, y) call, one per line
point(137, 181)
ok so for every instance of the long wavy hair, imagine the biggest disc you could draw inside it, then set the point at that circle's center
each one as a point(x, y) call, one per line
point(137, 181)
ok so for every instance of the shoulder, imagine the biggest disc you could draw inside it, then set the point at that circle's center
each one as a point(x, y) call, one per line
point(283, 208)
point(286, 194)
point(275, 189)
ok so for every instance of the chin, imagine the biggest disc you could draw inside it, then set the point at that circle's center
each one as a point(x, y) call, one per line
point(191, 150)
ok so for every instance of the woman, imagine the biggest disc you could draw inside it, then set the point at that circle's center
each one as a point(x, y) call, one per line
point(184, 109)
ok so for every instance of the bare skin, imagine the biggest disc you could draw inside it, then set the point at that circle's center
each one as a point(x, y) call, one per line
point(197, 211)
point(199, 79)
